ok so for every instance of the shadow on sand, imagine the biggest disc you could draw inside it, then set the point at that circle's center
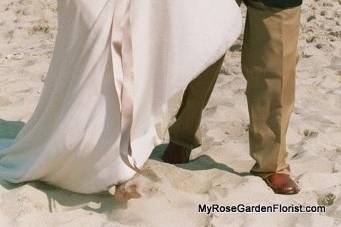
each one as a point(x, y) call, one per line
point(63, 200)
point(204, 162)
point(8, 132)
point(100, 202)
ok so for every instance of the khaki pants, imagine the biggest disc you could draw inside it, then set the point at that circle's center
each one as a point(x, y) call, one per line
point(269, 59)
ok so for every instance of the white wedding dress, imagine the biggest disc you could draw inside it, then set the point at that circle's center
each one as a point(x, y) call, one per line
point(118, 70)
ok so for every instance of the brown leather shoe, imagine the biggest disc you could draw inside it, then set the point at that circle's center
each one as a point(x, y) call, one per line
point(282, 184)
point(176, 154)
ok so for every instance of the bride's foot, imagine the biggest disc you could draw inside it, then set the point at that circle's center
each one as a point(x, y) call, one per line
point(124, 192)
point(138, 186)
point(176, 154)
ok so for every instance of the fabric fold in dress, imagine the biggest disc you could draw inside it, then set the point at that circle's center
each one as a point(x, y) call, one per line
point(117, 67)
point(122, 56)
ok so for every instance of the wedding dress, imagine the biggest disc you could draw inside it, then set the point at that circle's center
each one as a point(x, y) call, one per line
point(118, 70)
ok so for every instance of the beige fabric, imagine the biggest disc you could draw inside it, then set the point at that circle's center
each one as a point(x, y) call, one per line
point(269, 60)
point(115, 68)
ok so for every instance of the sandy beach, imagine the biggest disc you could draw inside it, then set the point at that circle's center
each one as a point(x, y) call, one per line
point(219, 170)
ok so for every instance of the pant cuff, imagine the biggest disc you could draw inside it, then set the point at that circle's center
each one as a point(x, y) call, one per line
point(267, 174)
point(185, 144)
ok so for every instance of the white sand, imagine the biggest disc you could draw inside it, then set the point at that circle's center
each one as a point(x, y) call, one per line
point(27, 30)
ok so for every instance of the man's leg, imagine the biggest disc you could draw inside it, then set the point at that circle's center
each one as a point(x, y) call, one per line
point(184, 132)
point(269, 61)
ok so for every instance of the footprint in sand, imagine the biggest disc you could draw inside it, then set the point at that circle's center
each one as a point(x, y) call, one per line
point(335, 63)
point(4, 101)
